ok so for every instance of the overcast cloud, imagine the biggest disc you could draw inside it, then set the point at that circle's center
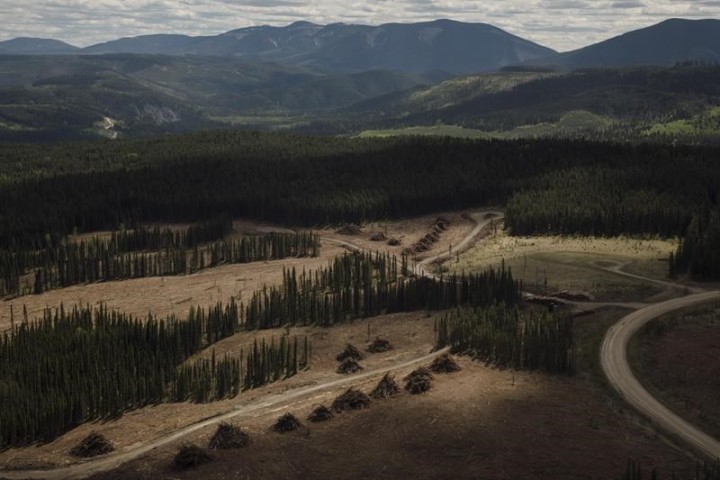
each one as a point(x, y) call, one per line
point(559, 24)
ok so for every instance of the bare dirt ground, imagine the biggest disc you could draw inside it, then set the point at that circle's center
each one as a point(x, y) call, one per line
point(411, 334)
point(679, 361)
point(176, 294)
point(477, 423)
point(552, 263)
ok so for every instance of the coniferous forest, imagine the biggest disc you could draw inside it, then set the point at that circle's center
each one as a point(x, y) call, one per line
point(82, 364)
point(549, 185)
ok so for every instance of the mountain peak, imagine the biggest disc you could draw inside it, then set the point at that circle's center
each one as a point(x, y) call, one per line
point(663, 44)
point(36, 46)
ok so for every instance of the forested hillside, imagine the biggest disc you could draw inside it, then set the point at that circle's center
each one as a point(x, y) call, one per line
point(549, 185)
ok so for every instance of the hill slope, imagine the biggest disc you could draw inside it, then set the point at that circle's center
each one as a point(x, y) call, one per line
point(36, 46)
point(446, 45)
point(666, 43)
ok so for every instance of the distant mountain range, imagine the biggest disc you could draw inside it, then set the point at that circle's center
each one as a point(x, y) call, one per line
point(445, 45)
point(453, 47)
point(344, 78)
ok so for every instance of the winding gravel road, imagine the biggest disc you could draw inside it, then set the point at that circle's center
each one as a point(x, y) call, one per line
point(614, 361)
point(265, 405)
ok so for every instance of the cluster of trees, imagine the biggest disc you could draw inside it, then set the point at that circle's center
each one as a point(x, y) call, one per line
point(605, 201)
point(73, 366)
point(703, 471)
point(310, 180)
point(364, 285)
point(323, 180)
point(699, 250)
point(212, 379)
point(117, 258)
point(504, 336)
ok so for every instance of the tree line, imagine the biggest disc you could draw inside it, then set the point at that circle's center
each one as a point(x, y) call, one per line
point(73, 366)
point(129, 255)
point(503, 336)
point(611, 188)
point(699, 251)
point(362, 285)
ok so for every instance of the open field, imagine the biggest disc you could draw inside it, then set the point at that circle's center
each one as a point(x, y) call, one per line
point(477, 423)
point(677, 358)
point(549, 264)
point(571, 122)
point(177, 294)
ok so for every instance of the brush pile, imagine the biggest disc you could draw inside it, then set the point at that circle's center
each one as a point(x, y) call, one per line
point(387, 388)
point(190, 456)
point(394, 242)
point(378, 237)
point(351, 400)
point(287, 423)
point(379, 345)
point(349, 366)
point(350, 351)
point(92, 446)
point(445, 364)
point(228, 436)
point(321, 414)
point(419, 381)
point(426, 243)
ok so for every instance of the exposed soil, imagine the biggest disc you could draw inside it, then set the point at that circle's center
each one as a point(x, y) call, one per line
point(681, 366)
point(477, 423)
point(412, 334)
point(176, 294)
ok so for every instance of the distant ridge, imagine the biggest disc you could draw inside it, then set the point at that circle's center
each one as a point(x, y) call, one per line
point(36, 46)
point(664, 44)
point(444, 45)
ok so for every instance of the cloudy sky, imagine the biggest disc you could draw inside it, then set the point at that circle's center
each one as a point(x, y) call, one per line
point(560, 24)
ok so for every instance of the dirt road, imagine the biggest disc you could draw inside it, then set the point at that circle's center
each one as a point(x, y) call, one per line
point(258, 407)
point(278, 402)
point(482, 219)
point(613, 358)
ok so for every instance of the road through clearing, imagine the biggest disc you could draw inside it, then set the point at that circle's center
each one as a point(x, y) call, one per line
point(267, 405)
point(92, 467)
point(614, 361)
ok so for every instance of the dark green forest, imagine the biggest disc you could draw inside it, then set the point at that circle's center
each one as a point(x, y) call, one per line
point(73, 366)
point(549, 185)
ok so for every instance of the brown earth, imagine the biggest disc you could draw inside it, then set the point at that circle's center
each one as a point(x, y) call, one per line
point(476, 423)
point(176, 294)
point(681, 366)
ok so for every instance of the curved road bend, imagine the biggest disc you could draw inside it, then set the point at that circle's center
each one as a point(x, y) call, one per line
point(614, 361)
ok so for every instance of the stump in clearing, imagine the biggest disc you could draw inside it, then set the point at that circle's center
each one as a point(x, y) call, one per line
point(92, 446)
point(321, 414)
point(350, 351)
point(190, 456)
point(445, 364)
point(229, 436)
point(349, 366)
point(351, 400)
point(287, 423)
point(419, 381)
point(387, 387)
point(379, 345)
